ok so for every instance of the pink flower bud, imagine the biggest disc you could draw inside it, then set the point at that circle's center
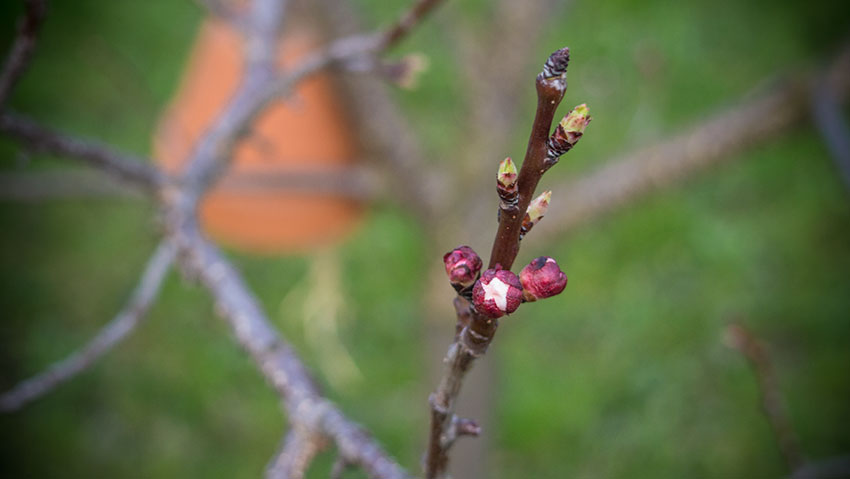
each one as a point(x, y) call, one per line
point(542, 278)
point(462, 266)
point(497, 293)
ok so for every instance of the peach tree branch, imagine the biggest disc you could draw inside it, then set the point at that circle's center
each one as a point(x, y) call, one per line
point(483, 298)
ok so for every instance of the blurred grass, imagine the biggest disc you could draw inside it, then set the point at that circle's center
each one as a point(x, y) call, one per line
point(624, 375)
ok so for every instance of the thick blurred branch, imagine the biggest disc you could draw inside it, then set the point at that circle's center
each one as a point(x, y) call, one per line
point(23, 46)
point(110, 336)
point(621, 180)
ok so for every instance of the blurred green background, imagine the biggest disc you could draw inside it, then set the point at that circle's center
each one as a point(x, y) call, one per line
point(624, 375)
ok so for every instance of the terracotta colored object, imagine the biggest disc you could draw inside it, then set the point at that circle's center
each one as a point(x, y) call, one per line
point(306, 133)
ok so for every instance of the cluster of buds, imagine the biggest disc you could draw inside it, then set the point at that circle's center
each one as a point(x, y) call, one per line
point(567, 133)
point(499, 291)
point(536, 210)
point(462, 265)
point(506, 184)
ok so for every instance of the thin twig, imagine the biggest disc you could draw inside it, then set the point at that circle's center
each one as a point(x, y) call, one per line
point(406, 23)
point(19, 55)
point(133, 170)
point(111, 335)
point(774, 409)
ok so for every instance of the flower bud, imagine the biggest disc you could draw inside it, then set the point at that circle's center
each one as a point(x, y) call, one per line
point(506, 182)
point(462, 266)
point(567, 133)
point(542, 278)
point(536, 209)
point(497, 293)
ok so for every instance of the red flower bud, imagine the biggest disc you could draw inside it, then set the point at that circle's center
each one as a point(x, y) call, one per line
point(497, 293)
point(542, 278)
point(462, 266)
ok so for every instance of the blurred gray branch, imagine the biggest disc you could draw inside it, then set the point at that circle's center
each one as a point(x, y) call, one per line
point(131, 169)
point(107, 338)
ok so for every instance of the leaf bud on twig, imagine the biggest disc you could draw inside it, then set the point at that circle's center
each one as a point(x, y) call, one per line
point(542, 278)
point(506, 183)
point(536, 210)
point(567, 133)
point(497, 293)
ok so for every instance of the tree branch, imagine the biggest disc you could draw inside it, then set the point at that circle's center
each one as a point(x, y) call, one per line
point(22, 48)
point(133, 170)
point(477, 330)
point(111, 335)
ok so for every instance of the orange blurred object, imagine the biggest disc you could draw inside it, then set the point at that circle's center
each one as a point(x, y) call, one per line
point(307, 132)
